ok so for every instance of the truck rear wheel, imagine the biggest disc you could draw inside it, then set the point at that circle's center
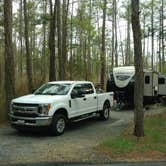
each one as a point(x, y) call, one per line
point(58, 124)
point(105, 113)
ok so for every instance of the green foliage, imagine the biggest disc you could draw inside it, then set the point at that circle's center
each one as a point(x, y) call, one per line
point(154, 140)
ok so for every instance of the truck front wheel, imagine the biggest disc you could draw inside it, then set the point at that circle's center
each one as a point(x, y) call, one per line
point(105, 113)
point(58, 124)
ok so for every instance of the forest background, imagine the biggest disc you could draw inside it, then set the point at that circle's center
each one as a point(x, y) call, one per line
point(77, 40)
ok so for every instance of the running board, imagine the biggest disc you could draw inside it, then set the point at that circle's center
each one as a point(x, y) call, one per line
point(84, 117)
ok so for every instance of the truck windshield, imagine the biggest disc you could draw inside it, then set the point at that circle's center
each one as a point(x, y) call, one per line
point(53, 89)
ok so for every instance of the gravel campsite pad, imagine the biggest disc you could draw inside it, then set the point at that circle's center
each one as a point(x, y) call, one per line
point(76, 145)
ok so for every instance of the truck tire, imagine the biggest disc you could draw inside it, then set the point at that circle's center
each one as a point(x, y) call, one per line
point(58, 124)
point(105, 113)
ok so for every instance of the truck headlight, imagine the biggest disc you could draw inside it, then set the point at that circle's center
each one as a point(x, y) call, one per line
point(44, 109)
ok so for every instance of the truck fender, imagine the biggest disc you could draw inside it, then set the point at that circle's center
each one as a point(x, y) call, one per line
point(58, 107)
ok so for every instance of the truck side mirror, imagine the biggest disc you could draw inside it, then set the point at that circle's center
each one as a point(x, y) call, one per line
point(80, 94)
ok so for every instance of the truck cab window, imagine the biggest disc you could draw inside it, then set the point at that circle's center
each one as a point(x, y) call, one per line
point(88, 89)
point(147, 79)
point(77, 88)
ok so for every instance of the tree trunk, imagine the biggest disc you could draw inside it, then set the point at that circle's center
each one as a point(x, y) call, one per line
point(9, 57)
point(43, 58)
point(162, 35)
point(116, 40)
point(64, 39)
point(152, 32)
point(89, 42)
point(52, 72)
point(71, 42)
point(59, 31)
point(113, 32)
point(128, 36)
point(28, 56)
point(159, 51)
point(85, 60)
point(103, 66)
point(143, 50)
point(21, 40)
point(138, 62)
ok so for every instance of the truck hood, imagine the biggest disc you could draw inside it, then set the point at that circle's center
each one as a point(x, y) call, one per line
point(37, 99)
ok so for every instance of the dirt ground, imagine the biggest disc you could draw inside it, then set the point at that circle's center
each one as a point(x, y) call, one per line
point(76, 145)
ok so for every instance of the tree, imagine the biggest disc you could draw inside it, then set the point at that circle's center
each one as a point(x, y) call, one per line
point(21, 38)
point(152, 31)
point(89, 41)
point(52, 41)
point(103, 58)
point(128, 50)
point(44, 47)
point(113, 32)
point(64, 38)
point(138, 62)
point(59, 31)
point(9, 57)
point(71, 41)
point(116, 40)
point(28, 56)
point(162, 34)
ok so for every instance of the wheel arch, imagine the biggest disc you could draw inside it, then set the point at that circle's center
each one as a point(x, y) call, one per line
point(107, 102)
point(62, 111)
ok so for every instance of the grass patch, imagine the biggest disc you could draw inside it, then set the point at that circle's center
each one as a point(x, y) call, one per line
point(150, 147)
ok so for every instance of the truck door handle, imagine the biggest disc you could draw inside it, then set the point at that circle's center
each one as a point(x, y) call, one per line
point(84, 99)
point(95, 97)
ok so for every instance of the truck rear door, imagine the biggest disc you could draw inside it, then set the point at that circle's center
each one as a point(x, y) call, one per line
point(90, 97)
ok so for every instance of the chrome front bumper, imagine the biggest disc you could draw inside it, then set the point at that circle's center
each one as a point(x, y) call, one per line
point(27, 121)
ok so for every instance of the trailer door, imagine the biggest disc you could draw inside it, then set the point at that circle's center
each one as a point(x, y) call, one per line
point(162, 85)
point(148, 84)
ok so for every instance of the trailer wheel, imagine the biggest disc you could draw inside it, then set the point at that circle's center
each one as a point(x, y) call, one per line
point(58, 124)
point(105, 113)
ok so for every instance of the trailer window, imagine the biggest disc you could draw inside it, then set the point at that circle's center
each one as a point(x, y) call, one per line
point(147, 79)
point(161, 80)
point(122, 77)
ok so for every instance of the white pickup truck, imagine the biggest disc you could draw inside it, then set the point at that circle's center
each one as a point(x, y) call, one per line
point(56, 103)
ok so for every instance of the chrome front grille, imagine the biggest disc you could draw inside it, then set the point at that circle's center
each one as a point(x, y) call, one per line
point(25, 110)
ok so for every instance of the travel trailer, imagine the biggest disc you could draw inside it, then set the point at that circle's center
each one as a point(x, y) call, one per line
point(121, 82)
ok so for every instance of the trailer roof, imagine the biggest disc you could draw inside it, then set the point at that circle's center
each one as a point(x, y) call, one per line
point(129, 69)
